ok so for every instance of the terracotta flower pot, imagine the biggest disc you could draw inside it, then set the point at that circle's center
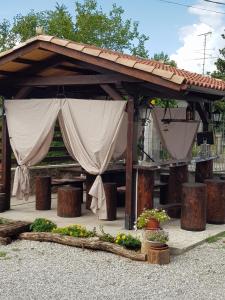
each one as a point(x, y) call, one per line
point(153, 224)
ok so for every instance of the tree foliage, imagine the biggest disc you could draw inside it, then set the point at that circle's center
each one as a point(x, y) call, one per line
point(90, 25)
point(164, 58)
point(220, 64)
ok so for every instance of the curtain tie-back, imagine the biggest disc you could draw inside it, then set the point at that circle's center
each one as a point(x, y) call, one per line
point(98, 204)
point(21, 186)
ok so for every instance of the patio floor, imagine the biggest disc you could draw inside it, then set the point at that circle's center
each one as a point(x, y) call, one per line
point(180, 240)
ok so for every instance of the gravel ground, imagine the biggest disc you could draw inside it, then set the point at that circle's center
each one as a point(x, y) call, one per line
point(34, 270)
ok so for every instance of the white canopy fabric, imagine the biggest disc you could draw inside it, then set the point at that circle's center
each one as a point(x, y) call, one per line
point(176, 137)
point(92, 131)
point(31, 127)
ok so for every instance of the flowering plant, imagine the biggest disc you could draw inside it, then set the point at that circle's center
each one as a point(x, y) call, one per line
point(158, 214)
point(158, 236)
point(128, 241)
point(75, 231)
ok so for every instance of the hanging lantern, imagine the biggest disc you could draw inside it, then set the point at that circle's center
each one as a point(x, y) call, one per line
point(216, 117)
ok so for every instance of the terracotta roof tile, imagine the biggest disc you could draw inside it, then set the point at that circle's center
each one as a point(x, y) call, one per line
point(156, 68)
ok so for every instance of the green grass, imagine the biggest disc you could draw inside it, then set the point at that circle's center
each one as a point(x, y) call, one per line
point(213, 239)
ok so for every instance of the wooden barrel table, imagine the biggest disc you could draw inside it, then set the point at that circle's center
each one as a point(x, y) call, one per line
point(193, 209)
point(111, 200)
point(43, 192)
point(178, 176)
point(204, 170)
point(215, 201)
point(69, 202)
point(2, 202)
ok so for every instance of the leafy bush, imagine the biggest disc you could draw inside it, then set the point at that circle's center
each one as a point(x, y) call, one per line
point(42, 225)
point(106, 237)
point(128, 241)
point(75, 231)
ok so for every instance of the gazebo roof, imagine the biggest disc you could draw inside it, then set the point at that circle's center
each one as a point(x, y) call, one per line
point(43, 47)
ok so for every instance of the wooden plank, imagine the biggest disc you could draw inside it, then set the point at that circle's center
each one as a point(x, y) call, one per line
point(68, 80)
point(129, 203)
point(110, 65)
point(111, 92)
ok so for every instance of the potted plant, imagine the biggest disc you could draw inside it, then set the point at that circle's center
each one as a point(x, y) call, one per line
point(157, 238)
point(151, 218)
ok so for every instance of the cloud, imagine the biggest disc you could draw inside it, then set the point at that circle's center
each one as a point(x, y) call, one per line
point(189, 55)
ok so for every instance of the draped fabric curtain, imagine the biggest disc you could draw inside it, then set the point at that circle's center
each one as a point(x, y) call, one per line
point(176, 137)
point(93, 130)
point(90, 131)
point(31, 127)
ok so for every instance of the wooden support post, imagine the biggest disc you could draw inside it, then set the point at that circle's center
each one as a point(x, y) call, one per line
point(145, 190)
point(6, 164)
point(129, 202)
point(204, 170)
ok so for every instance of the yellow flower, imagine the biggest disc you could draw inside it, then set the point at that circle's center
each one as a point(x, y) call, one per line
point(123, 237)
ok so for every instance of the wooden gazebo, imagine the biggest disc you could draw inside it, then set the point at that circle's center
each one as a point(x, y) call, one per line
point(42, 65)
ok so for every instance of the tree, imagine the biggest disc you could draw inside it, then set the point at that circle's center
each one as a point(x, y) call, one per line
point(220, 64)
point(91, 26)
point(164, 58)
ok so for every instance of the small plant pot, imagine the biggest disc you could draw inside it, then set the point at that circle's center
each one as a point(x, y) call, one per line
point(155, 244)
point(153, 224)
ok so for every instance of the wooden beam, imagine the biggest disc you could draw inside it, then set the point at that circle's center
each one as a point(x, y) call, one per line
point(68, 80)
point(6, 164)
point(26, 61)
point(110, 65)
point(203, 115)
point(129, 202)
point(23, 93)
point(111, 92)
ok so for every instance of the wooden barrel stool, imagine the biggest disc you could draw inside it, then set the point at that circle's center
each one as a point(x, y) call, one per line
point(215, 213)
point(204, 170)
point(178, 176)
point(111, 200)
point(164, 178)
point(43, 192)
point(69, 202)
point(193, 209)
point(2, 202)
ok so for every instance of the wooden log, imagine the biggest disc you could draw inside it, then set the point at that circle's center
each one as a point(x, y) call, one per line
point(69, 202)
point(88, 243)
point(163, 196)
point(43, 192)
point(14, 228)
point(193, 210)
point(145, 190)
point(2, 202)
point(89, 181)
point(215, 201)
point(178, 175)
point(5, 240)
point(204, 170)
point(111, 200)
point(158, 256)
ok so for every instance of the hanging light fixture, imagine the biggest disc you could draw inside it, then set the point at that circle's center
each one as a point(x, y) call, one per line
point(217, 117)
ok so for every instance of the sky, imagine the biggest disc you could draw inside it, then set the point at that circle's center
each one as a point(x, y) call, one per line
point(171, 28)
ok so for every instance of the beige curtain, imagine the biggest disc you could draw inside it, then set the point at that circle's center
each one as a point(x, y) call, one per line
point(121, 143)
point(90, 131)
point(176, 137)
point(31, 127)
